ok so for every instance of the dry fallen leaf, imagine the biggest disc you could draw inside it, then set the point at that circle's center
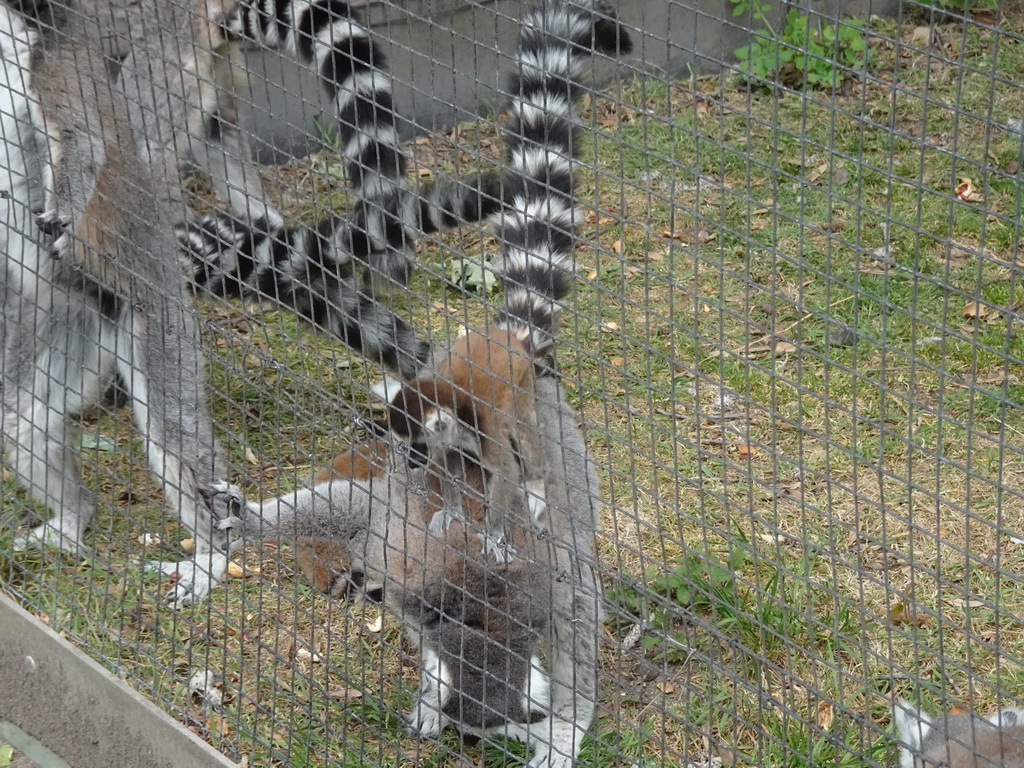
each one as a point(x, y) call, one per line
point(237, 571)
point(617, 247)
point(250, 457)
point(921, 36)
point(727, 756)
point(975, 309)
point(218, 726)
point(309, 655)
point(966, 191)
point(968, 604)
point(375, 625)
point(901, 613)
point(188, 545)
point(825, 715)
point(783, 348)
point(345, 694)
point(755, 349)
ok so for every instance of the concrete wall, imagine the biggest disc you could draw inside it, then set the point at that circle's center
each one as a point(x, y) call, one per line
point(58, 707)
point(443, 55)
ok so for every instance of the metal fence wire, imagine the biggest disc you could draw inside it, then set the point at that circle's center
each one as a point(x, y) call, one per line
point(770, 288)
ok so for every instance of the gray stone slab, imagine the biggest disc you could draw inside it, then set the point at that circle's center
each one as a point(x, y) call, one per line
point(447, 67)
point(54, 693)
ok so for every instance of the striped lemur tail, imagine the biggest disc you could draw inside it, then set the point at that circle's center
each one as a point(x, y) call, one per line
point(314, 270)
point(478, 399)
point(536, 229)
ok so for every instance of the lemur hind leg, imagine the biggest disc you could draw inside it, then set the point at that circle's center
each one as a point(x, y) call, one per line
point(159, 360)
point(55, 368)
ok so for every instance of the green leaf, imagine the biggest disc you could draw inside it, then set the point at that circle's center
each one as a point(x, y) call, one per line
point(6, 755)
point(92, 442)
point(738, 558)
point(474, 276)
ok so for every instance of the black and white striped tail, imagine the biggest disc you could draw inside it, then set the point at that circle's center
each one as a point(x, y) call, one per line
point(330, 36)
point(315, 271)
point(536, 228)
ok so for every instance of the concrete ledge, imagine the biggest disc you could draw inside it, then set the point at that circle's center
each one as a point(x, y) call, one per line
point(75, 709)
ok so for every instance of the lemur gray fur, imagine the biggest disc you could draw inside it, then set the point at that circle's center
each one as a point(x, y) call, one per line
point(101, 295)
point(959, 740)
point(421, 534)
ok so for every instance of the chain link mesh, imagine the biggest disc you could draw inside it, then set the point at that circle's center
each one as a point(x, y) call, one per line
point(794, 343)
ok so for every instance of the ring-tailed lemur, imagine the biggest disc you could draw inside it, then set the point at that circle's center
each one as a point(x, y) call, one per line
point(478, 621)
point(479, 396)
point(959, 740)
point(103, 295)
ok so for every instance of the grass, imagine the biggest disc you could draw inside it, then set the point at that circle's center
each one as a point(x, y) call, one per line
point(798, 353)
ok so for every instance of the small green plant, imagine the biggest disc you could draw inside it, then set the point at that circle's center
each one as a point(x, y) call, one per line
point(698, 585)
point(963, 6)
point(803, 52)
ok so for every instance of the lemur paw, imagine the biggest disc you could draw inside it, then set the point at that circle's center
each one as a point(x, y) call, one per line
point(52, 223)
point(61, 246)
point(194, 579)
point(225, 502)
point(425, 721)
point(498, 548)
point(537, 506)
point(46, 536)
point(442, 520)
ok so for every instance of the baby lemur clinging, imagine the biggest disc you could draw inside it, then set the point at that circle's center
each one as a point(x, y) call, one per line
point(481, 581)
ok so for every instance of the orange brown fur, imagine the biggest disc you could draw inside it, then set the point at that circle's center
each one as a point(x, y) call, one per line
point(485, 386)
point(322, 561)
point(359, 463)
point(99, 194)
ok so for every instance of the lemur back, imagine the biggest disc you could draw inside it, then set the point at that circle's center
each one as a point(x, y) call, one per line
point(101, 296)
point(479, 400)
point(960, 740)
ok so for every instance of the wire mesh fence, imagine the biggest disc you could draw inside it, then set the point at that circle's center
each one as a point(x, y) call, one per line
point(792, 346)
